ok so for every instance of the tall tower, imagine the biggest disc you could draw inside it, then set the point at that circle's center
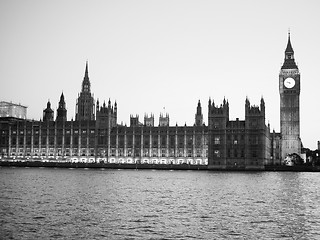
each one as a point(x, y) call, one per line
point(218, 118)
point(256, 135)
point(85, 103)
point(289, 88)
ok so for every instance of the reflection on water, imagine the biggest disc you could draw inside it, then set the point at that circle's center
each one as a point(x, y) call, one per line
point(128, 204)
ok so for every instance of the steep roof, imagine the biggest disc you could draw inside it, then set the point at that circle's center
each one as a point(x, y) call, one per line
point(289, 62)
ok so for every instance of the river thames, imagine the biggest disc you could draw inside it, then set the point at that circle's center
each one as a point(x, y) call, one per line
point(48, 203)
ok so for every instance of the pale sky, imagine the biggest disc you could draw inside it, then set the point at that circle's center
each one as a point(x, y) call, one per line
point(151, 55)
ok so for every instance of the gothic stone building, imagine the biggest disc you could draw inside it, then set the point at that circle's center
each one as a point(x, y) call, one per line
point(95, 135)
point(238, 144)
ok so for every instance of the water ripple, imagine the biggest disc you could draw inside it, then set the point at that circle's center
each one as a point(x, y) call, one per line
point(110, 204)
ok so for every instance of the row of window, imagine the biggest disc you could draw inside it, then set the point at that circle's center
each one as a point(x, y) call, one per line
point(103, 140)
point(158, 152)
point(235, 153)
point(235, 140)
point(103, 152)
point(52, 132)
point(100, 131)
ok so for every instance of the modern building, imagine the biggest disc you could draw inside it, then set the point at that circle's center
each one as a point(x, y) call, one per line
point(95, 135)
point(9, 109)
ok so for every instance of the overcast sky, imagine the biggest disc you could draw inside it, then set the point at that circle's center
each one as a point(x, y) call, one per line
point(151, 55)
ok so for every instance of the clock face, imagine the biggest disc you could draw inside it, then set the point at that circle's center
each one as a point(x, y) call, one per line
point(289, 83)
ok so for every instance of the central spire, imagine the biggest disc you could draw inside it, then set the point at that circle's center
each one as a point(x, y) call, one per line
point(86, 82)
point(85, 104)
point(86, 75)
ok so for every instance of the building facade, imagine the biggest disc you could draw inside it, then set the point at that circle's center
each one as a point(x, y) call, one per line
point(96, 136)
point(238, 144)
point(103, 140)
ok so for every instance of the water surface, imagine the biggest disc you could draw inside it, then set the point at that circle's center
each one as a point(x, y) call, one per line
point(44, 203)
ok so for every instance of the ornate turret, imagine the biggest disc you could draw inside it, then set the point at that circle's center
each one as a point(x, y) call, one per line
point(199, 116)
point(262, 105)
point(115, 109)
point(62, 111)
point(106, 115)
point(255, 114)
point(149, 121)
point(48, 113)
point(134, 121)
point(97, 106)
point(222, 110)
point(218, 116)
point(164, 120)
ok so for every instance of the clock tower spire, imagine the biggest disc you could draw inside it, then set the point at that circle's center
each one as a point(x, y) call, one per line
point(289, 89)
point(289, 62)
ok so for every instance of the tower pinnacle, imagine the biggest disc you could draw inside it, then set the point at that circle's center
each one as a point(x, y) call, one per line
point(289, 48)
point(86, 72)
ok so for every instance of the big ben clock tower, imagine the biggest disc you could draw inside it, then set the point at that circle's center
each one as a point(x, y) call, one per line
point(289, 88)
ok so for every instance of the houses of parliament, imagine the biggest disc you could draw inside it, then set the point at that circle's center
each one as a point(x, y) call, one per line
point(96, 136)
